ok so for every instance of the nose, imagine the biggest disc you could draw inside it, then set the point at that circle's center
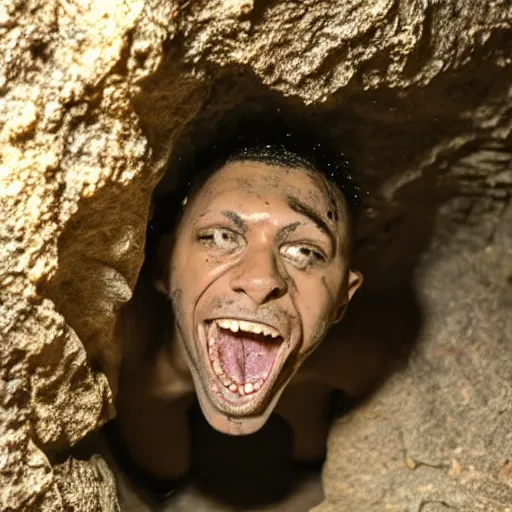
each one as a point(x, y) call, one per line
point(259, 277)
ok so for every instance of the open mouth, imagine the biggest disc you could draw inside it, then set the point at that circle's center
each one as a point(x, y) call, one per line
point(242, 354)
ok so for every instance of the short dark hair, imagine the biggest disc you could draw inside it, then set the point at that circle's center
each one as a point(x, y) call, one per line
point(268, 139)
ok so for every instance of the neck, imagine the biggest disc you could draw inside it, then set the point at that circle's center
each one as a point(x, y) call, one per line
point(153, 357)
point(170, 376)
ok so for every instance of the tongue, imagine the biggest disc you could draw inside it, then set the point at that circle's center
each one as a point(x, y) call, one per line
point(246, 357)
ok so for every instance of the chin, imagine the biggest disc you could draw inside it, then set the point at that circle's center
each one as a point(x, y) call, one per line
point(242, 369)
point(232, 425)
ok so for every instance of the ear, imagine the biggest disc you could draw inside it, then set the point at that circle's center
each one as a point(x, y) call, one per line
point(160, 263)
point(355, 280)
point(161, 286)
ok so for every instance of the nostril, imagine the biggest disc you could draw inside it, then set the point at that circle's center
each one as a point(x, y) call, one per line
point(259, 294)
point(274, 294)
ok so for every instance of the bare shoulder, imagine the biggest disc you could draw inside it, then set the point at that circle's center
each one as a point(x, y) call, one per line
point(361, 350)
point(141, 320)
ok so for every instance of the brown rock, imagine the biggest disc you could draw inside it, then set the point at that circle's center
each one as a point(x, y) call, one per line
point(97, 97)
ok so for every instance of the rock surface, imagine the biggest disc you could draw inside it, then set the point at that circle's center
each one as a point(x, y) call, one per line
point(96, 97)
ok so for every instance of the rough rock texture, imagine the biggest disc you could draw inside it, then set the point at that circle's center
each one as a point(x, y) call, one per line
point(437, 436)
point(95, 97)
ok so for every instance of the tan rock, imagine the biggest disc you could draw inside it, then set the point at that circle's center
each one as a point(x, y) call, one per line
point(96, 98)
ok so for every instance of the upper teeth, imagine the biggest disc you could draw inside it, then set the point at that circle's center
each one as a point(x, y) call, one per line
point(242, 325)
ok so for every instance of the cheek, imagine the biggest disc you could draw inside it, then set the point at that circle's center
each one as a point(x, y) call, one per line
point(318, 302)
point(184, 280)
point(193, 272)
point(315, 304)
point(315, 321)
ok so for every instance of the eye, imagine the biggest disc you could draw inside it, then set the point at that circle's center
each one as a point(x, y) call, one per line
point(220, 238)
point(303, 256)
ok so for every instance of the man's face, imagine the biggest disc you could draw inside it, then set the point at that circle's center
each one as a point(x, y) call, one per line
point(258, 274)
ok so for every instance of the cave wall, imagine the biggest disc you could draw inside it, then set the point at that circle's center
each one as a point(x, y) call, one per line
point(96, 97)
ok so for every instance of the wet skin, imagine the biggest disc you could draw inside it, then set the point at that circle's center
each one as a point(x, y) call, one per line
point(258, 243)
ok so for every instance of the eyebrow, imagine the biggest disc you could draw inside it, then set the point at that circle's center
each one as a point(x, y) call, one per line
point(286, 230)
point(236, 219)
point(305, 210)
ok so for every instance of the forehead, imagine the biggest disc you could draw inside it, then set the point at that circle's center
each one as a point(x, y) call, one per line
point(238, 182)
